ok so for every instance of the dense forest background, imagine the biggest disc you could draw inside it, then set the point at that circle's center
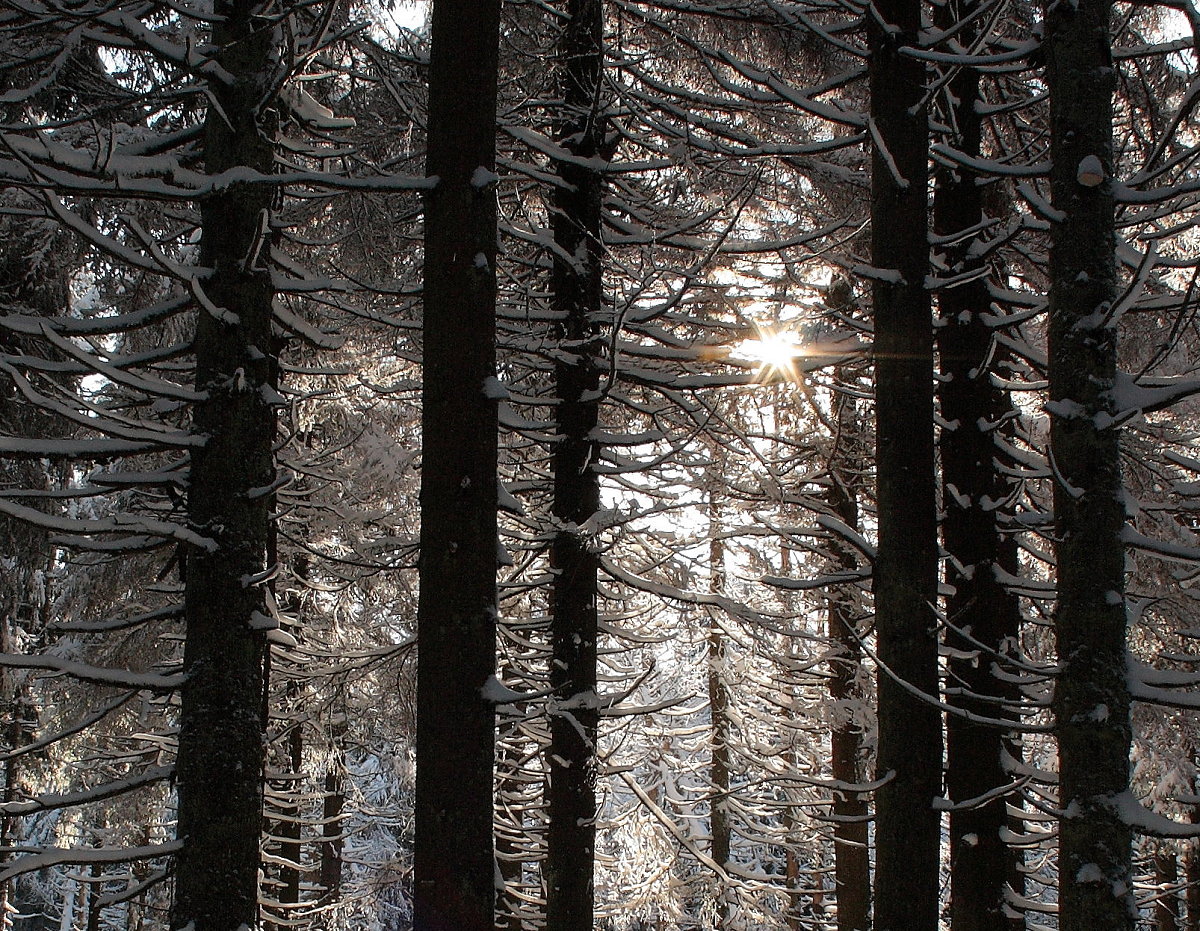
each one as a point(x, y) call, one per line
point(623, 464)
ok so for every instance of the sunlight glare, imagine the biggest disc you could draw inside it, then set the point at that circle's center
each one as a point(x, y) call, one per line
point(775, 351)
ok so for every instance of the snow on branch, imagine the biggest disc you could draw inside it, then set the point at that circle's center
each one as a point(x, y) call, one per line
point(99, 675)
point(122, 523)
point(1146, 822)
point(1174, 551)
point(92, 450)
point(85, 796)
point(86, 855)
point(70, 730)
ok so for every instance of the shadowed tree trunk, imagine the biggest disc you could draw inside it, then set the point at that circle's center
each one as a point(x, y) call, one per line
point(1191, 875)
point(221, 729)
point(718, 704)
point(510, 828)
point(851, 853)
point(578, 308)
point(905, 574)
point(792, 863)
point(292, 784)
point(981, 614)
point(454, 885)
point(1166, 877)
point(332, 806)
point(291, 824)
point(34, 279)
point(1091, 697)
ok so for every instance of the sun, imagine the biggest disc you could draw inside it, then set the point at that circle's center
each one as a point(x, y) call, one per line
point(775, 351)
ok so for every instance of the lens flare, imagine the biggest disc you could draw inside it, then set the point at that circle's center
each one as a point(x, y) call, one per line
point(775, 351)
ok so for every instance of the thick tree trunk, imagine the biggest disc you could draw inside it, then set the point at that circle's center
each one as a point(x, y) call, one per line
point(221, 730)
point(851, 852)
point(981, 614)
point(578, 307)
point(1091, 697)
point(454, 888)
point(906, 566)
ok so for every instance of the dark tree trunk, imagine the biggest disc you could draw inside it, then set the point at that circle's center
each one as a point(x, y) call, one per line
point(454, 888)
point(981, 614)
point(1091, 697)
point(221, 730)
point(511, 838)
point(95, 910)
point(906, 566)
point(1010, 562)
point(291, 815)
point(332, 806)
point(851, 852)
point(1191, 875)
point(792, 872)
point(718, 707)
point(290, 825)
point(578, 307)
point(1166, 877)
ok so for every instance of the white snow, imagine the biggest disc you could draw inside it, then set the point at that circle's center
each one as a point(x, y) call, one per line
point(482, 177)
point(495, 389)
point(309, 110)
point(1090, 172)
point(496, 692)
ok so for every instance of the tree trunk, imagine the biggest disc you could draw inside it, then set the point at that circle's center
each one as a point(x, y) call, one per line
point(1091, 698)
point(95, 911)
point(332, 806)
point(290, 825)
point(578, 309)
point(454, 887)
point(221, 730)
point(981, 614)
point(906, 566)
point(1166, 877)
point(511, 852)
point(792, 874)
point(1191, 875)
point(291, 815)
point(718, 708)
point(851, 851)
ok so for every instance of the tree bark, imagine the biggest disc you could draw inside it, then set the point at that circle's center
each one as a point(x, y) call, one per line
point(851, 851)
point(332, 807)
point(1191, 875)
point(718, 707)
point(454, 887)
point(578, 308)
point(291, 847)
point(1166, 876)
point(1091, 697)
point(981, 614)
point(906, 566)
point(221, 730)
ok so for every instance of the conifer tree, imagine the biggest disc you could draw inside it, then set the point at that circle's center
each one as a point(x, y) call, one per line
point(221, 730)
point(909, 757)
point(1091, 694)
point(577, 285)
point(454, 886)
